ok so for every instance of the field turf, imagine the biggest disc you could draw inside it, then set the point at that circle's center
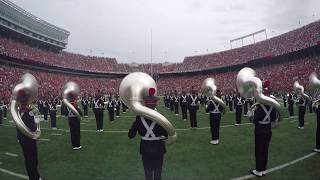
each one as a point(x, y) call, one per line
point(112, 155)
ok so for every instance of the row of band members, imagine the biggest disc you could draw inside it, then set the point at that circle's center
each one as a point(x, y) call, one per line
point(152, 147)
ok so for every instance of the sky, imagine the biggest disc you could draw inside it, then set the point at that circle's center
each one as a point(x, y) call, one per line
point(123, 28)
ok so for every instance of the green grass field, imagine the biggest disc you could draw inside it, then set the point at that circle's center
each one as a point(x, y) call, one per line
point(111, 155)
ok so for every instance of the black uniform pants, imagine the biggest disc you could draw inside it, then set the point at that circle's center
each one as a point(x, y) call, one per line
point(171, 107)
point(193, 117)
point(230, 105)
point(310, 107)
point(5, 112)
point(99, 119)
point(30, 152)
point(1, 117)
point(176, 108)
point(238, 114)
point(184, 112)
point(245, 108)
point(318, 133)
point(152, 167)
point(74, 125)
point(53, 118)
point(45, 115)
point(262, 141)
point(111, 114)
point(215, 119)
point(290, 108)
point(285, 103)
point(85, 111)
point(302, 111)
point(124, 108)
point(118, 111)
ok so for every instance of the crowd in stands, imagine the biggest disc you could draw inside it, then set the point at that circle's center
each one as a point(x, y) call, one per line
point(304, 37)
point(51, 84)
point(301, 38)
point(282, 77)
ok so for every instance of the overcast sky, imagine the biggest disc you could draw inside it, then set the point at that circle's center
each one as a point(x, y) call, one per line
point(122, 28)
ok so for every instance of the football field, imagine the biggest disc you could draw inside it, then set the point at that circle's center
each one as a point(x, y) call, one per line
point(112, 155)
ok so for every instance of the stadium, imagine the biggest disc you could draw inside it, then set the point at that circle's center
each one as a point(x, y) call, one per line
point(29, 44)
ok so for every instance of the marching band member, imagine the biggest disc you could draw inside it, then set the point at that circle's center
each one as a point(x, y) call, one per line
point(110, 108)
point(263, 117)
point(98, 107)
point(28, 128)
point(28, 145)
point(171, 101)
point(309, 104)
point(238, 101)
point(124, 107)
point(167, 102)
point(284, 99)
point(215, 110)
point(193, 102)
point(152, 146)
point(316, 109)
point(250, 101)
point(45, 108)
point(74, 125)
point(231, 98)
point(85, 104)
point(290, 105)
point(184, 105)
point(245, 107)
point(117, 106)
point(4, 109)
point(1, 115)
point(301, 103)
point(176, 103)
point(53, 114)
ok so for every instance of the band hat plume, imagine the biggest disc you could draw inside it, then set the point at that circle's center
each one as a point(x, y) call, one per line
point(71, 92)
point(133, 89)
point(250, 86)
point(24, 93)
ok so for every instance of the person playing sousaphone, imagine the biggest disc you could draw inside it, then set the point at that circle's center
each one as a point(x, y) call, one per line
point(28, 125)
point(152, 146)
point(265, 114)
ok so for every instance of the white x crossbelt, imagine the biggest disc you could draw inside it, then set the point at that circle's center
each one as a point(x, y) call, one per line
point(239, 101)
point(149, 136)
point(184, 98)
point(96, 104)
point(193, 100)
point(267, 118)
point(216, 108)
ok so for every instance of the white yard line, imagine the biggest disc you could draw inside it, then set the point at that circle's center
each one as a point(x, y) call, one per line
point(123, 131)
point(44, 139)
point(11, 154)
point(278, 167)
point(14, 174)
point(56, 134)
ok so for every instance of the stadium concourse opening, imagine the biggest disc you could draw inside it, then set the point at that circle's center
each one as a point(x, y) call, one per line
point(245, 120)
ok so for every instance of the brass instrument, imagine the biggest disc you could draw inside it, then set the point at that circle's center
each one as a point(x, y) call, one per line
point(133, 88)
point(314, 84)
point(71, 91)
point(24, 92)
point(250, 86)
point(209, 89)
